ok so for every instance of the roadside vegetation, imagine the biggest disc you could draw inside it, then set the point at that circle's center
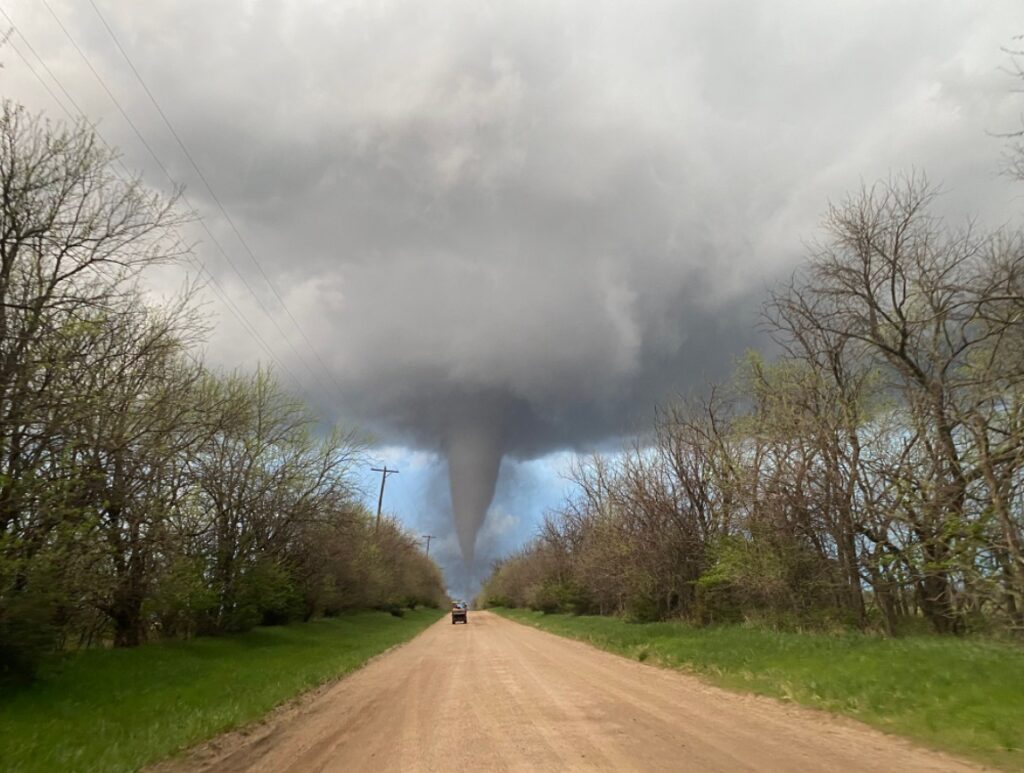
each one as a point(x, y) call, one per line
point(870, 476)
point(144, 496)
point(963, 695)
point(119, 709)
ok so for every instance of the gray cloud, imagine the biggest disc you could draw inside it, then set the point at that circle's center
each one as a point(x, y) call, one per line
point(513, 228)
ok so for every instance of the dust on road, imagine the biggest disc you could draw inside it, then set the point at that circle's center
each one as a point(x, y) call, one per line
point(495, 695)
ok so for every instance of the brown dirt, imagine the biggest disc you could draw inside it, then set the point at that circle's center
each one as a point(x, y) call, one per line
point(495, 695)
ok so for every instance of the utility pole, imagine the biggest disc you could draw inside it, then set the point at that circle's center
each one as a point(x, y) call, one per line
point(428, 537)
point(383, 479)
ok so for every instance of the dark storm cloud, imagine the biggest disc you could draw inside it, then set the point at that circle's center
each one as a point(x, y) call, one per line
point(513, 227)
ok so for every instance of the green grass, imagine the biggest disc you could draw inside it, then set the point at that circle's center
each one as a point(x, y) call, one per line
point(115, 710)
point(962, 695)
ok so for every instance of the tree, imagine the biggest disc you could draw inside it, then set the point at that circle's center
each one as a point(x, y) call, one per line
point(73, 240)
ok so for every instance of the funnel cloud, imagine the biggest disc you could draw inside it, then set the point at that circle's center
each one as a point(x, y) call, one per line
point(474, 445)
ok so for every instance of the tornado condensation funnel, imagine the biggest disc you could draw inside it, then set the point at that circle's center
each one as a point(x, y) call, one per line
point(474, 456)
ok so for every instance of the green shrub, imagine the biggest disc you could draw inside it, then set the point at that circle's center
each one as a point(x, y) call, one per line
point(29, 607)
point(554, 596)
point(641, 608)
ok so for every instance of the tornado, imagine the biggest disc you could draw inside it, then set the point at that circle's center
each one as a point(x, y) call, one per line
point(474, 448)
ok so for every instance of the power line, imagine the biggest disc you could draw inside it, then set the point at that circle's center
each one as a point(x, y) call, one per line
point(138, 133)
point(82, 115)
point(28, 64)
point(187, 251)
point(209, 188)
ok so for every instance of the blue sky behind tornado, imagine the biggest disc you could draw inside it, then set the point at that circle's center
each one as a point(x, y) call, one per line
point(508, 229)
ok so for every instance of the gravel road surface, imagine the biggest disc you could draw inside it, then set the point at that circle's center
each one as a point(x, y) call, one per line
point(494, 695)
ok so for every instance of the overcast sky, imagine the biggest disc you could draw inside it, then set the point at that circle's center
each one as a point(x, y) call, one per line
point(556, 213)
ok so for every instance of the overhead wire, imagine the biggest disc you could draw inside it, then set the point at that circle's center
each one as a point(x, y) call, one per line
point(209, 188)
point(9, 41)
point(163, 167)
point(219, 290)
point(127, 176)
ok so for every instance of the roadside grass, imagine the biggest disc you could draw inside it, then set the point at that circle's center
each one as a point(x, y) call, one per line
point(115, 710)
point(964, 696)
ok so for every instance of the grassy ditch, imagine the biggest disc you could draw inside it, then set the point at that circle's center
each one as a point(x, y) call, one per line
point(962, 695)
point(120, 709)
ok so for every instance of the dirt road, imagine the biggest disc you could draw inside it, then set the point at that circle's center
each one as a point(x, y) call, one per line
point(495, 695)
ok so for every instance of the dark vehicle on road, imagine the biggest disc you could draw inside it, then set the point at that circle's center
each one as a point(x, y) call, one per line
point(459, 613)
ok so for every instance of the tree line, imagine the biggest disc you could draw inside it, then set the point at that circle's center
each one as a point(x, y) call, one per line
point(870, 475)
point(143, 494)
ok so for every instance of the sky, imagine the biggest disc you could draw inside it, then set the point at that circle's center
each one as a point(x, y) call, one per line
point(493, 234)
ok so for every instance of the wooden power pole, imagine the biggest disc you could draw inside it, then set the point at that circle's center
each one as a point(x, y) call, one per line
point(428, 537)
point(383, 479)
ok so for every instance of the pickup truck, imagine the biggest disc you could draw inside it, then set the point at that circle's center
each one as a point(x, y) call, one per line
point(459, 613)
